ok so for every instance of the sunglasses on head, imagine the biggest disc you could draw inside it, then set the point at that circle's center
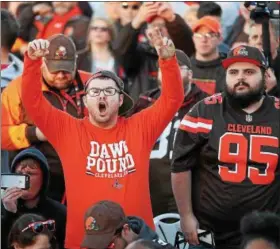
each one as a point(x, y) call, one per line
point(102, 29)
point(39, 226)
point(133, 7)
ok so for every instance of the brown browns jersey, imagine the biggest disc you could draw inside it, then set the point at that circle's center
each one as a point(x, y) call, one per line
point(234, 158)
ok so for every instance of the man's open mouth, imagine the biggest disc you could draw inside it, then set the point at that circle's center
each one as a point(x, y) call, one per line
point(102, 107)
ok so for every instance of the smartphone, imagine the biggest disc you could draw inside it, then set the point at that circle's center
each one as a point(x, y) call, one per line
point(15, 180)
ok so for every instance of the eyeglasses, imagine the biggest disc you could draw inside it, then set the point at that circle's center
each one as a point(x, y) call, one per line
point(38, 227)
point(109, 91)
point(102, 29)
point(207, 35)
point(133, 7)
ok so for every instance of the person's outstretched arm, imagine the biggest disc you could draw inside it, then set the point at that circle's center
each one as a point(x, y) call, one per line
point(154, 119)
point(53, 123)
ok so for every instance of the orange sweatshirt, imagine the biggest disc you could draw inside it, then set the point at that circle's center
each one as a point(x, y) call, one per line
point(103, 164)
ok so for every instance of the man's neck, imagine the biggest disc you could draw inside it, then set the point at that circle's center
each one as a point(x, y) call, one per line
point(207, 58)
point(32, 203)
point(4, 56)
point(254, 107)
point(106, 125)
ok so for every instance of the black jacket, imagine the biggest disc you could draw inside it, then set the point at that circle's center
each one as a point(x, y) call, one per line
point(46, 207)
point(276, 66)
point(209, 76)
point(162, 197)
point(139, 59)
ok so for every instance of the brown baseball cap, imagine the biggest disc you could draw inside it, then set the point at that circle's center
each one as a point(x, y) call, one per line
point(101, 222)
point(128, 102)
point(62, 54)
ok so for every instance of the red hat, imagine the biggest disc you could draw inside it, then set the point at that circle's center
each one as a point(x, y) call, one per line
point(210, 22)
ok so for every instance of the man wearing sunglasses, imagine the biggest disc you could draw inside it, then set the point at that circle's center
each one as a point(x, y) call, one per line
point(128, 10)
point(107, 226)
point(16, 202)
point(104, 156)
point(208, 72)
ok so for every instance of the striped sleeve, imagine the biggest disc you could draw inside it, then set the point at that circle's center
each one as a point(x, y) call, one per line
point(196, 124)
point(192, 134)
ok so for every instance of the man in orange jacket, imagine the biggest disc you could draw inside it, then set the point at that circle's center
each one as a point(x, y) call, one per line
point(62, 85)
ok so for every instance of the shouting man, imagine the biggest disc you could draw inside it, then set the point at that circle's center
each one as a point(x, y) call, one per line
point(111, 156)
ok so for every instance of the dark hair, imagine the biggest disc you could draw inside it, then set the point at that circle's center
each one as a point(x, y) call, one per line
point(209, 9)
point(260, 225)
point(9, 29)
point(27, 238)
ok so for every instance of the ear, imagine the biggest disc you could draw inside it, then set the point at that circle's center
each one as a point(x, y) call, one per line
point(16, 246)
point(126, 230)
point(85, 101)
point(266, 76)
point(121, 99)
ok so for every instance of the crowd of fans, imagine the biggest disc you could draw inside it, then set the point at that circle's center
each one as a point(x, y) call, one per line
point(115, 126)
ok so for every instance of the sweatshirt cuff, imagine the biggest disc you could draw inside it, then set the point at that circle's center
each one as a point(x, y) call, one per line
point(168, 62)
point(30, 133)
point(31, 63)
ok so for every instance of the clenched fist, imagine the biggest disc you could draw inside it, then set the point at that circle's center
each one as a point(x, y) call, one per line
point(164, 46)
point(38, 49)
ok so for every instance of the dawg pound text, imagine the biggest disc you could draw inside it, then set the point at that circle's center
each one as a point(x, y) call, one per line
point(109, 160)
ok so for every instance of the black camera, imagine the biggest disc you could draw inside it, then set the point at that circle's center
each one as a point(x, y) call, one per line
point(261, 10)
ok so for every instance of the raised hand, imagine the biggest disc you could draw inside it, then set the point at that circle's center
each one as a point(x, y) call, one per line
point(164, 46)
point(147, 10)
point(166, 12)
point(37, 49)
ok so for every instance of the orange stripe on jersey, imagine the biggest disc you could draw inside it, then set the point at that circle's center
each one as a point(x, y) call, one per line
point(198, 119)
point(195, 125)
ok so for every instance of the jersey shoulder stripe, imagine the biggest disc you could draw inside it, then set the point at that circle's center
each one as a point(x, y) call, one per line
point(196, 125)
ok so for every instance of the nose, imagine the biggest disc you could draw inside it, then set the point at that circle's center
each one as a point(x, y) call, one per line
point(240, 76)
point(102, 95)
point(61, 74)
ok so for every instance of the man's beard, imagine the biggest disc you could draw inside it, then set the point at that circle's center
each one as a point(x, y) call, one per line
point(243, 100)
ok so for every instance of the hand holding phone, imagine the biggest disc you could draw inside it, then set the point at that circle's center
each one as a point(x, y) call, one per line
point(10, 197)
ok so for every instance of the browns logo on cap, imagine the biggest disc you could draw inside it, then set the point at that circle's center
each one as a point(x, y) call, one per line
point(240, 51)
point(245, 54)
point(91, 224)
point(62, 54)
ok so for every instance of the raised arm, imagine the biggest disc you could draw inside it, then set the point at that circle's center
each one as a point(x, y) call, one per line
point(155, 118)
point(53, 123)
